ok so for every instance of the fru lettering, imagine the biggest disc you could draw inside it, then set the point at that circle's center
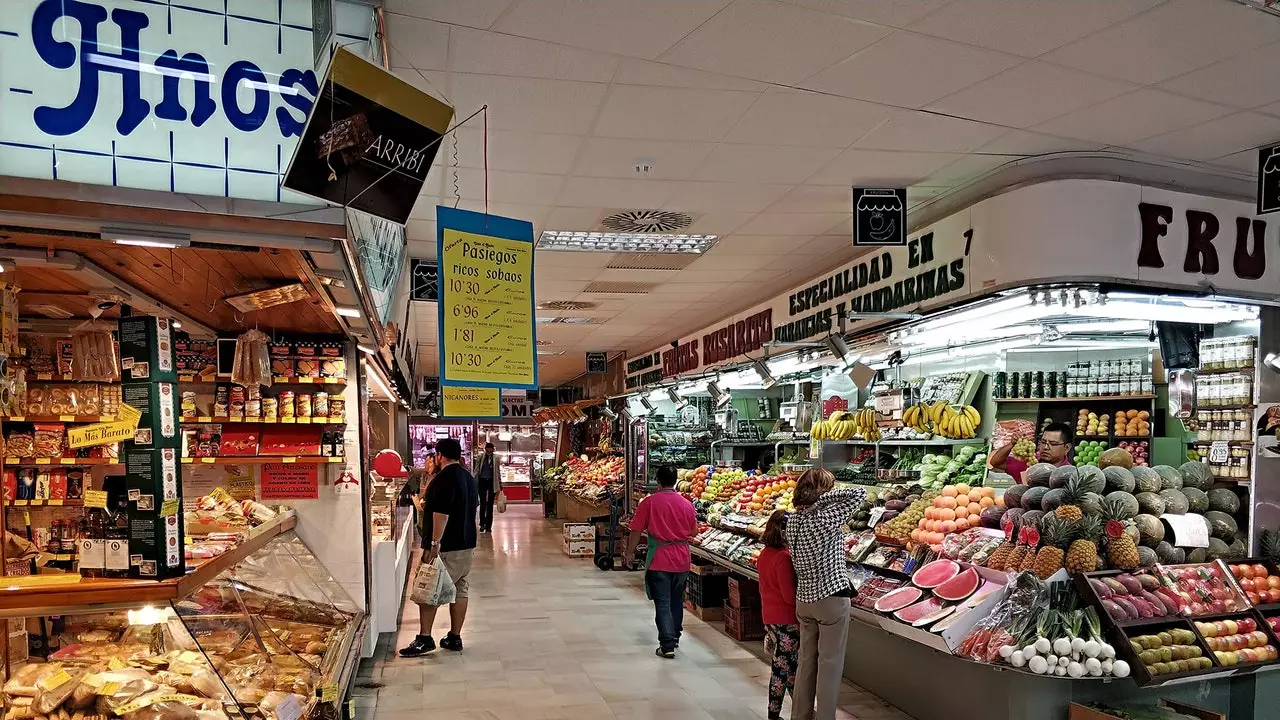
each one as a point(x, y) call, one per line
point(737, 339)
point(680, 359)
point(1248, 259)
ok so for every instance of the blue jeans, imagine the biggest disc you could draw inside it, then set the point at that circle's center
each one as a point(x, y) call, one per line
point(667, 591)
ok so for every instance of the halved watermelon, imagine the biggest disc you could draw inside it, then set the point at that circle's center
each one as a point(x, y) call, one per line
point(897, 599)
point(952, 619)
point(959, 587)
point(915, 613)
point(935, 616)
point(935, 573)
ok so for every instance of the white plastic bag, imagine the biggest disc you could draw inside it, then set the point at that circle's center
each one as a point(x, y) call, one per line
point(433, 586)
point(501, 501)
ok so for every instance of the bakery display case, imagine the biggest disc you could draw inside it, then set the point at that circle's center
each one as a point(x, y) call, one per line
point(271, 637)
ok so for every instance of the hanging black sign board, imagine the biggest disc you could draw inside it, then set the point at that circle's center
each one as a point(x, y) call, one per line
point(879, 216)
point(597, 362)
point(368, 140)
point(424, 280)
point(1269, 179)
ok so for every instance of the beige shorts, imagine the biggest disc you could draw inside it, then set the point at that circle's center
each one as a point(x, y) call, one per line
point(458, 563)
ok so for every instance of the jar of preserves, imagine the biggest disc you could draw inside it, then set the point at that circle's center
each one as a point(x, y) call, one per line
point(1204, 426)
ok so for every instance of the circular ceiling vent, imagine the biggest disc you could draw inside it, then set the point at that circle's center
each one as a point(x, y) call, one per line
point(647, 221)
point(566, 305)
point(544, 343)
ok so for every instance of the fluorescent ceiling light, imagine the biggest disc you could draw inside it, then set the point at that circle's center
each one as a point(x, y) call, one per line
point(347, 312)
point(575, 241)
point(142, 242)
point(883, 316)
point(550, 352)
point(177, 324)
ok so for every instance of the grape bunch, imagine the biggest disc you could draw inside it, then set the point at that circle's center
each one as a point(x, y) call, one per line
point(1024, 449)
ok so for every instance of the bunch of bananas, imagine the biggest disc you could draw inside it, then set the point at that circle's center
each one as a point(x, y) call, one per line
point(917, 417)
point(842, 425)
point(959, 424)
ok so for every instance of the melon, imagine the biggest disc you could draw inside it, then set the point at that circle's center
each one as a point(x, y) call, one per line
point(1061, 474)
point(1217, 549)
point(1224, 500)
point(1221, 525)
point(1175, 502)
point(991, 517)
point(1236, 550)
point(1013, 496)
point(1146, 556)
point(935, 573)
point(1052, 500)
point(1196, 474)
point(1197, 499)
point(933, 617)
point(1115, 457)
point(1150, 503)
point(1198, 555)
point(1151, 529)
point(915, 613)
point(1119, 478)
point(1091, 504)
point(1033, 497)
point(1147, 479)
point(959, 587)
point(897, 599)
point(1031, 518)
point(1170, 555)
point(1092, 479)
point(1038, 474)
point(1129, 501)
point(1170, 481)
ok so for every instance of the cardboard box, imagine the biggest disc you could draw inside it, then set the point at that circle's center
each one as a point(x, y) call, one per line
point(706, 614)
point(158, 402)
point(580, 548)
point(153, 478)
point(146, 350)
point(1080, 712)
point(579, 531)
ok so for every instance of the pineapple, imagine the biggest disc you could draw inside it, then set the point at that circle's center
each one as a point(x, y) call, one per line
point(1082, 555)
point(1029, 559)
point(1122, 551)
point(1049, 559)
point(1000, 556)
point(1019, 551)
point(1070, 508)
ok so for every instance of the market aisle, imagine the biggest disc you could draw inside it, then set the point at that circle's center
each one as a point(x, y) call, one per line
point(551, 637)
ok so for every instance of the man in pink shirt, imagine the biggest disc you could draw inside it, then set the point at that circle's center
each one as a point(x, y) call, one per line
point(670, 521)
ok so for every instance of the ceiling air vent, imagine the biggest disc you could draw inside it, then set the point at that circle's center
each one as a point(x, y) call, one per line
point(646, 221)
point(619, 287)
point(51, 311)
point(571, 305)
point(651, 261)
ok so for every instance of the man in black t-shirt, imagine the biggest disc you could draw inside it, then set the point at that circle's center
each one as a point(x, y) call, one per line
point(449, 531)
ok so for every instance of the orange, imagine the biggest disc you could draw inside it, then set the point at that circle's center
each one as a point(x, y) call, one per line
point(949, 491)
point(974, 508)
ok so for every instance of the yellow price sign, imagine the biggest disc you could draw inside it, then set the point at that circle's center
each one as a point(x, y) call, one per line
point(95, 498)
point(469, 402)
point(123, 428)
point(329, 693)
point(170, 507)
point(486, 306)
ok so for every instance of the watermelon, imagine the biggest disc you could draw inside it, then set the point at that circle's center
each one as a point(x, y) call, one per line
point(1130, 503)
point(991, 517)
point(1175, 502)
point(1196, 475)
point(1115, 457)
point(1052, 500)
point(1221, 525)
point(935, 573)
point(1119, 478)
point(1147, 479)
point(1170, 555)
point(1092, 479)
point(1217, 549)
point(1033, 498)
point(1224, 500)
point(1150, 503)
point(933, 617)
point(1060, 475)
point(959, 587)
point(1013, 496)
point(897, 599)
point(1038, 474)
point(921, 610)
point(1197, 499)
point(1151, 529)
point(1031, 518)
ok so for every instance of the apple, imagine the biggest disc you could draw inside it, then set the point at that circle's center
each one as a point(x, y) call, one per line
point(1237, 570)
point(1260, 571)
point(1247, 625)
point(1233, 627)
point(1253, 597)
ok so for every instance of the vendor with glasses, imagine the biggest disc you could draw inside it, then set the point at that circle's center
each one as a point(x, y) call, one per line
point(1054, 447)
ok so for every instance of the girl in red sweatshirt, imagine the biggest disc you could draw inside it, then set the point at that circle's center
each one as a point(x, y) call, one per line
point(778, 609)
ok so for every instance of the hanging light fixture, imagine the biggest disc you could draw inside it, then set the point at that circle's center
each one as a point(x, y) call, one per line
point(836, 345)
point(766, 378)
point(719, 397)
point(676, 400)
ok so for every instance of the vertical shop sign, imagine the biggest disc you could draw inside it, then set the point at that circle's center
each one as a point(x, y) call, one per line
point(597, 362)
point(1269, 179)
point(380, 248)
point(486, 319)
point(424, 280)
point(321, 29)
point(290, 481)
point(471, 402)
point(879, 216)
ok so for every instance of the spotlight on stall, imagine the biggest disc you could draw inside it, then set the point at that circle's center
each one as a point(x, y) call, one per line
point(766, 378)
point(676, 400)
point(836, 345)
point(719, 397)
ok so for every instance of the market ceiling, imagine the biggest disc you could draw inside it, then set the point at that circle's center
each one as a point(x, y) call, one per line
point(754, 118)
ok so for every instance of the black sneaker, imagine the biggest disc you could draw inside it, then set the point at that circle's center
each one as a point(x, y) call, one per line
point(420, 646)
point(668, 654)
point(451, 642)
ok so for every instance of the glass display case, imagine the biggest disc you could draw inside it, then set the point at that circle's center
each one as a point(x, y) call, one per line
point(387, 516)
point(273, 637)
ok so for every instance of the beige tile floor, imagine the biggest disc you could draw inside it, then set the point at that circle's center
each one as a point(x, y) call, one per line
point(551, 637)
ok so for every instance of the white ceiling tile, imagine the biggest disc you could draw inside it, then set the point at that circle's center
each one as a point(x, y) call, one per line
point(1025, 28)
point(794, 117)
point(1272, 109)
point(814, 199)
point(632, 71)
point(574, 218)
point(507, 187)
point(827, 245)
point(534, 214)
point(614, 193)
point(894, 13)
point(1021, 142)
point(771, 41)
point(1174, 38)
point(1216, 138)
point(616, 158)
point(527, 104)
point(576, 260)
point(422, 231)
point(422, 245)
point(768, 223)
point(737, 197)
point(1246, 161)
point(554, 285)
point(416, 43)
point(1029, 94)
point(472, 13)
point(910, 70)
point(718, 222)
point(725, 259)
point(966, 169)
point(874, 167)
point(1132, 117)
point(1247, 80)
point(731, 162)
point(762, 245)
point(490, 53)
point(542, 153)
point(928, 132)
point(632, 111)
point(625, 27)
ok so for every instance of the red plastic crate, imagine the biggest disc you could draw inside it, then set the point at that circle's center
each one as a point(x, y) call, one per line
point(743, 624)
point(744, 593)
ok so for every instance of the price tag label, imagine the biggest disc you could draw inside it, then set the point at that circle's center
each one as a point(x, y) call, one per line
point(1218, 452)
point(329, 693)
point(876, 513)
point(49, 683)
point(109, 688)
point(116, 663)
point(95, 499)
point(170, 507)
point(1188, 530)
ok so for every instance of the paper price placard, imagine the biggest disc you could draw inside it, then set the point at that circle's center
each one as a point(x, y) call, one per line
point(469, 402)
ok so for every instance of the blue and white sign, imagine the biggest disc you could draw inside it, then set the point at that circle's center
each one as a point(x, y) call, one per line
point(189, 96)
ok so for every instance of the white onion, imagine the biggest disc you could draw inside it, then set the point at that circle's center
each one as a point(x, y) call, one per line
point(1075, 670)
point(1120, 669)
point(1108, 652)
point(1030, 651)
point(1006, 651)
point(1106, 667)
point(1093, 667)
point(1077, 645)
point(1060, 671)
point(1092, 648)
point(1017, 659)
point(1043, 646)
point(1064, 661)
point(1038, 665)
point(1062, 646)
point(1052, 660)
